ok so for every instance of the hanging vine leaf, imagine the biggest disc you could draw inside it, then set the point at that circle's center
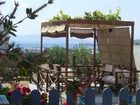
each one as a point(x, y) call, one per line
point(95, 15)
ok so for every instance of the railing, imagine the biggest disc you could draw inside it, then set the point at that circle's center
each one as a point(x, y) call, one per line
point(124, 98)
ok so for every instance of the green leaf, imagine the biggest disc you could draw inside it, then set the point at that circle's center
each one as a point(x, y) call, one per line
point(13, 29)
point(28, 11)
point(12, 33)
point(96, 15)
point(5, 24)
point(33, 16)
point(10, 23)
point(15, 26)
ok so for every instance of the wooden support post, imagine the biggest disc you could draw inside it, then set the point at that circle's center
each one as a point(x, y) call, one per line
point(67, 49)
point(38, 79)
point(94, 56)
point(41, 52)
point(58, 77)
point(131, 56)
point(94, 48)
point(41, 48)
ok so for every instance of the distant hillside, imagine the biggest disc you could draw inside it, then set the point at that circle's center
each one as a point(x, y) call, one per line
point(137, 42)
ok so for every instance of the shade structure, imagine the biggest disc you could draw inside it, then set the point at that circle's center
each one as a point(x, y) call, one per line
point(112, 51)
point(55, 31)
point(82, 33)
point(85, 27)
point(93, 24)
point(114, 45)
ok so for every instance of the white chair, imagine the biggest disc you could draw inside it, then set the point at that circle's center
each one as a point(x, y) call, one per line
point(107, 74)
point(114, 77)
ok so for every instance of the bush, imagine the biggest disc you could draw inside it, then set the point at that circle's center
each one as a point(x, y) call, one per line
point(56, 55)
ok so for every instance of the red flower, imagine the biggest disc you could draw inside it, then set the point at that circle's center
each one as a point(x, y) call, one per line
point(28, 90)
point(24, 89)
point(43, 102)
point(43, 96)
point(23, 93)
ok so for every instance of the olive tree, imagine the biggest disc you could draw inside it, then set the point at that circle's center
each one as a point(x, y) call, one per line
point(9, 55)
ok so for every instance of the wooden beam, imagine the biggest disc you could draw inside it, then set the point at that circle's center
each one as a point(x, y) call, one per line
point(90, 22)
point(67, 49)
point(131, 56)
point(102, 22)
point(41, 48)
point(94, 57)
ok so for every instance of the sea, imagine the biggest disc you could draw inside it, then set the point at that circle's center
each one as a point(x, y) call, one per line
point(49, 45)
point(33, 42)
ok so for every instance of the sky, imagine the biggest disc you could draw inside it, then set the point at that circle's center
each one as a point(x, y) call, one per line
point(129, 12)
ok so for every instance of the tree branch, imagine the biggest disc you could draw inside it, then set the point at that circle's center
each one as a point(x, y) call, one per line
point(14, 10)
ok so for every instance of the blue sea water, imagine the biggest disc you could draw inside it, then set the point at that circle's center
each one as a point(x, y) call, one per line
point(33, 41)
point(49, 45)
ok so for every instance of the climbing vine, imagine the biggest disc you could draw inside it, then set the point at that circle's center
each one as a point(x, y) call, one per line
point(96, 15)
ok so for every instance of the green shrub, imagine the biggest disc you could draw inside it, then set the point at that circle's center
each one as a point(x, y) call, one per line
point(82, 55)
point(56, 55)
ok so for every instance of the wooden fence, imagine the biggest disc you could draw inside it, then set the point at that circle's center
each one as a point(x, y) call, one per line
point(125, 97)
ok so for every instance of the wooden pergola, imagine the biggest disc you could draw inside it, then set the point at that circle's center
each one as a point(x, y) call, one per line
point(83, 24)
point(62, 28)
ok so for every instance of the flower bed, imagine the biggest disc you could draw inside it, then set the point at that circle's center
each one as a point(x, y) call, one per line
point(7, 89)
